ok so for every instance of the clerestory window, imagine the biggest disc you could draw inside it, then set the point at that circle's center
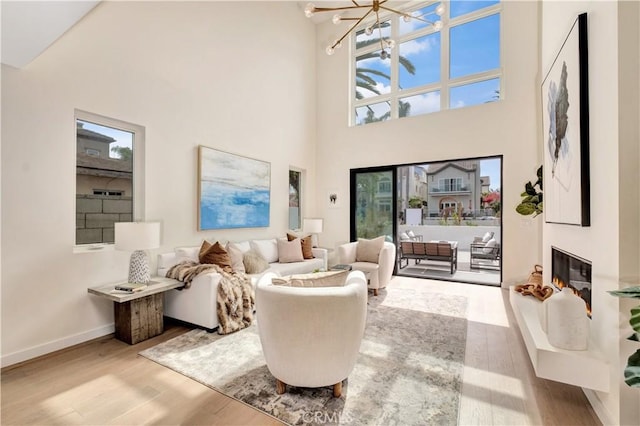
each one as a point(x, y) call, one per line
point(428, 70)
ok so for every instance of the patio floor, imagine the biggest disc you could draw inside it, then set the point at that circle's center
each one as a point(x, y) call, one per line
point(442, 271)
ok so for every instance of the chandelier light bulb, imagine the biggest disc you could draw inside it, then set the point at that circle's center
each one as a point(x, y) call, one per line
point(336, 19)
point(337, 44)
point(368, 31)
point(330, 50)
point(440, 9)
point(309, 10)
point(437, 25)
point(384, 54)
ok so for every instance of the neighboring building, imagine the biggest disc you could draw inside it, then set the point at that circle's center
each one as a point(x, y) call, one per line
point(412, 183)
point(485, 184)
point(103, 188)
point(455, 186)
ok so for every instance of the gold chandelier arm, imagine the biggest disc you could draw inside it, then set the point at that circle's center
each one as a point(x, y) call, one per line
point(351, 29)
point(330, 9)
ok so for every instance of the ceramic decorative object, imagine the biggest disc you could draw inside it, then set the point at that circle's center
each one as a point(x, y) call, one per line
point(542, 315)
point(566, 321)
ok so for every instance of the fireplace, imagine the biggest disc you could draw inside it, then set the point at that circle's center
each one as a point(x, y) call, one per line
point(569, 270)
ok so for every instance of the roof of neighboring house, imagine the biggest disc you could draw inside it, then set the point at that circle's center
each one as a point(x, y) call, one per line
point(97, 166)
point(485, 180)
point(95, 136)
point(465, 166)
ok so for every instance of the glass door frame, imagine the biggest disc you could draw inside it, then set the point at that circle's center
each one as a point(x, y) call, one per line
point(352, 199)
point(394, 204)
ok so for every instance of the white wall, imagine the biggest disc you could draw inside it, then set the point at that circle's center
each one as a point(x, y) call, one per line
point(508, 127)
point(611, 242)
point(235, 76)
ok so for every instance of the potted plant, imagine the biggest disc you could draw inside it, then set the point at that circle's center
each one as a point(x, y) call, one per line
point(632, 370)
point(531, 198)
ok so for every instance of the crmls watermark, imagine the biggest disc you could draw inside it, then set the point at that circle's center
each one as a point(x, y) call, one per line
point(326, 417)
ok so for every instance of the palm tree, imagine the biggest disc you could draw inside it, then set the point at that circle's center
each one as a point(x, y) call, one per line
point(365, 81)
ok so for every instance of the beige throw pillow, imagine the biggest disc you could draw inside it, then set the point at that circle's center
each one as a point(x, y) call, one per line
point(315, 279)
point(307, 245)
point(289, 251)
point(254, 263)
point(236, 256)
point(369, 250)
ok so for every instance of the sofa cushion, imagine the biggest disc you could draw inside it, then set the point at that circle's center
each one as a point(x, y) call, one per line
point(307, 265)
point(236, 255)
point(267, 248)
point(488, 247)
point(289, 251)
point(187, 253)
point(243, 246)
point(307, 245)
point(369, 250)
point(315, 279)
point(254, 263)
point(215, 254)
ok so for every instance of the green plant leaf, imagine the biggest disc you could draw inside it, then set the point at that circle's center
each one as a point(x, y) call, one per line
point(632, 292)
point(635, 319)
point(632, 370)
point(529, 189)
point(635, 337)
point(526, 208)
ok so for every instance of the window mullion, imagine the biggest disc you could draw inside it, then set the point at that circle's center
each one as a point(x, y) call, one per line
point(395, 68)
point(444, 61)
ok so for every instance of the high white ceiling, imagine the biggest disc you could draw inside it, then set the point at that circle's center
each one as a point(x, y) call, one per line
point(29, 27)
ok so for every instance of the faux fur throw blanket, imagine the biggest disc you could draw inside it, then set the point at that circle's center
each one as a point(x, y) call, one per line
point(235, 299)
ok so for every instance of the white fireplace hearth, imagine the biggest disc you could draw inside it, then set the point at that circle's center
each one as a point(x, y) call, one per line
point(587, 369)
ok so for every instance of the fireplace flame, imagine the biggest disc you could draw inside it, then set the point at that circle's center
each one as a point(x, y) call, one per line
point(561, 284)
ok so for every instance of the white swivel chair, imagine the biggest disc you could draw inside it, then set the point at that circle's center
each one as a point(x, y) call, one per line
point(311, 336)
point(379, 274)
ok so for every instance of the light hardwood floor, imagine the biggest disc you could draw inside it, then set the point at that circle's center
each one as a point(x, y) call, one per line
point(105, 381)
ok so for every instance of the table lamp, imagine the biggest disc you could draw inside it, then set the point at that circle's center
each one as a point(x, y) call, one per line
point(137, 237)
point(312, 226)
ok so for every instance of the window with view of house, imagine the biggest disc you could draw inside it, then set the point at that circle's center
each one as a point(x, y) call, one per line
point(109, 161)
point(295, 212)
point(428, 70)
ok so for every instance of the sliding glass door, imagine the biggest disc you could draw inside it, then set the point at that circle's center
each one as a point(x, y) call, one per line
point(372, 199)
point(455, 202)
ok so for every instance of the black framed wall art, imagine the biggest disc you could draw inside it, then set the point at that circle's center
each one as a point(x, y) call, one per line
point(565, 121)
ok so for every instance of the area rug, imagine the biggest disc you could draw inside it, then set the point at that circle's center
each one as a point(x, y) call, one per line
point(409, 371)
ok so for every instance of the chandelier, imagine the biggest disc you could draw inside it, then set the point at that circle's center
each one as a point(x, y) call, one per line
point(373, 7)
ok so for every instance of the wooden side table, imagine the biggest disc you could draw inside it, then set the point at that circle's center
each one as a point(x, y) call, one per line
point(138, 316)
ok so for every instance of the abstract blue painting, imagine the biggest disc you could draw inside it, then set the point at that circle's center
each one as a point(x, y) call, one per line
point(234, 191)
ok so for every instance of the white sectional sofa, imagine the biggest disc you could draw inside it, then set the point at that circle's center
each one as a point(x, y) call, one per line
point(197, 304)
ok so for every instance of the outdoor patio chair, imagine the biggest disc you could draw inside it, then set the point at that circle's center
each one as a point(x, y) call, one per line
point(485, 255)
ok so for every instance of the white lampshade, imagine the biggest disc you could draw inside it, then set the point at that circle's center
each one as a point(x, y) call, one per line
point(312, 225)
point(137, 237)
point(131, 236)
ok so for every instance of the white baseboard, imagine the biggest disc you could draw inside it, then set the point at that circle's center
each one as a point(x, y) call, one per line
point(601, 411)
point(56, 345)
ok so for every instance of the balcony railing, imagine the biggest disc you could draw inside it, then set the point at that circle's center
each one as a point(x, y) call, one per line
point(439, 189)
